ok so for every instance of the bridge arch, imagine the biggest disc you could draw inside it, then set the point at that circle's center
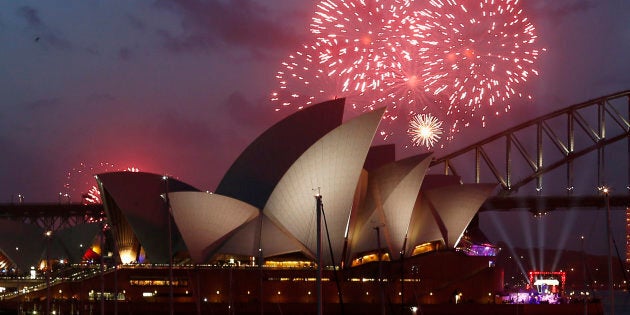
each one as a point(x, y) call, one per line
point(553, 145)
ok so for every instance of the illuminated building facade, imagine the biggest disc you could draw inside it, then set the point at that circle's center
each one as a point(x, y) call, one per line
point(264, 206)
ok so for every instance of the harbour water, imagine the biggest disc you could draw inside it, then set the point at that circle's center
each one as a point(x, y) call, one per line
point(621, 302)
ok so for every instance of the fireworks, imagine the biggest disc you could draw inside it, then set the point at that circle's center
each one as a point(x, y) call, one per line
point(478, 53)
point(356, 35)
point(425, 130)
point(80, 182)
point(303, 82)
point(447, 60)
point(402, 87)
point(93, 196)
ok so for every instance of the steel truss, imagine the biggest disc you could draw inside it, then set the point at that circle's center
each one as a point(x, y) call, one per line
point(560, 138)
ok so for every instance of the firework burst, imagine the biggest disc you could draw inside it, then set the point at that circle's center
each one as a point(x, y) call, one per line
point(356, 34)
point(425, 130)
point(477, 53)
point(402, 86)
point(357, 47)
point(453, 62)
point(302, 81)
point(80, 181)
point(93, 196)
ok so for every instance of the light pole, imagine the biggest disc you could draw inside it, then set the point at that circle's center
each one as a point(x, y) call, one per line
point(584, 275)
point(170, 245)
point(606, 192)
point(48, 235)
point(102, 268)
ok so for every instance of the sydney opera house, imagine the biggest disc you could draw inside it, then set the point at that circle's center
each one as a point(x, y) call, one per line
point(390, 236)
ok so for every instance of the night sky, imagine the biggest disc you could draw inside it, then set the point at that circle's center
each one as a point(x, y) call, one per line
point(182, 87)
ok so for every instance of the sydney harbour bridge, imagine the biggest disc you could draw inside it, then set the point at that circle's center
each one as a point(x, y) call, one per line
point(574, 158)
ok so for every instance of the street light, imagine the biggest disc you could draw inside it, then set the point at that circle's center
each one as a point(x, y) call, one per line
point(48, 236)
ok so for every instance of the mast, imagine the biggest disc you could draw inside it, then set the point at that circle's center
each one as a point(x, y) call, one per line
point(260, 265)
point(318, 200)
point(610, 241)
point(332, 258)
point(170, 246)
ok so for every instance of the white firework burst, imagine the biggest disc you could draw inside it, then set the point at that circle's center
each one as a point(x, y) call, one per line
point(425, 130)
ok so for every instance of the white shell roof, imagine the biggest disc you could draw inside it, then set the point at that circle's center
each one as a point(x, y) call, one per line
point(423, 226)
point(332, 167)
point(275, 241)
point(392, 192)
point(256, 172)
point(456, 206)
point(426, 224)
point(205, 219)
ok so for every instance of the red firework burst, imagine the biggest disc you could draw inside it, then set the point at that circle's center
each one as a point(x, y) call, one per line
point(477, 53)
point(451, 61)
point(357, 34)
point(303, 81)
point(80, 182)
